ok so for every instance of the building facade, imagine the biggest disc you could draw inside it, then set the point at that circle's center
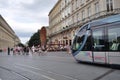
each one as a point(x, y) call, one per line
point(67, 16)
point(8, 37)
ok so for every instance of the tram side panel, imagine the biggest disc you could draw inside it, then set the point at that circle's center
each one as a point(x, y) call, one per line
point(106, 43)
point(114, 58)
point(114, 43)
point(84, 56)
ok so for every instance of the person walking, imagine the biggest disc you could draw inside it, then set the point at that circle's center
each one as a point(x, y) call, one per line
point(8, 51)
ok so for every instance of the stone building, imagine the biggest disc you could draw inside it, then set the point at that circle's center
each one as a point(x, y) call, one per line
point(67, 16)
point(8, 38)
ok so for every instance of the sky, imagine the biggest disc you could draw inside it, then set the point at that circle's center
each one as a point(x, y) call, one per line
point(25, 17)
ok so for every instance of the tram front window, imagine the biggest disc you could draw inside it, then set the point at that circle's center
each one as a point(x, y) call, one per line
point(79, 39)
point(77, 42)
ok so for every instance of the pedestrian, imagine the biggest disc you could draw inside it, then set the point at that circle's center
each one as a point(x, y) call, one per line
point(27, 50)
point(115, 45)
point(8, 51)
point(68, 49)
point(33, 49)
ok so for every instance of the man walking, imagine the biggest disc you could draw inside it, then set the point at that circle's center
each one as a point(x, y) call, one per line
point(8, 51)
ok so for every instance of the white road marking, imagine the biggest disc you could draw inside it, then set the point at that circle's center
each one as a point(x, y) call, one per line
point(68, 77)
point(0, 79)
point(44, 76)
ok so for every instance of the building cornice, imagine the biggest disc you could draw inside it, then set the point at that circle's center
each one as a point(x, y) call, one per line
point(54, 7)
point(6, 26)
point(8, 30)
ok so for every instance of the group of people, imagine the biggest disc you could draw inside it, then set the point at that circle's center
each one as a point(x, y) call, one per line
point(17, 50)
point(38, 50)
point(35, 50)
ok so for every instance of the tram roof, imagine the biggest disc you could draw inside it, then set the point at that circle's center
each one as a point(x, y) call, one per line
point(107, 20)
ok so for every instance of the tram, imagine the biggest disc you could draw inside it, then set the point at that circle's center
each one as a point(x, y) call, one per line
point(98, 41)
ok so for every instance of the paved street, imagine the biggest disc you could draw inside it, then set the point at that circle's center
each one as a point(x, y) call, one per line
point(52, 66)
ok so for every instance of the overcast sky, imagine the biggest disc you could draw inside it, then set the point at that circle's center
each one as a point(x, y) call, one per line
point(25, 17)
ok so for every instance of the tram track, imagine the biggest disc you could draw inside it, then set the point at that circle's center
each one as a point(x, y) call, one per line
point(16, 73)
point(105, 74)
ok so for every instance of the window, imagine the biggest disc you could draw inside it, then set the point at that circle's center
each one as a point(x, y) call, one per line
point(109, 5)
point(66, 42)
point(72, 7)
point(97, 7)
point(78, 41)
point(83, 15)
point(89, 11)
point(88, 44)
point(98, 40)
point(70, 41)
point(73, 21)
point(69, 11)
point(77, 3)
point(77, 17)
point(82, 2)
point(114, 39)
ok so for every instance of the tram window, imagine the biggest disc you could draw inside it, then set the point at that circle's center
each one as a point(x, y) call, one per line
point(114, 39)
point(75, 44)
point(80, 39)
point(98, 40)
point(88, 44)
point(78, 42)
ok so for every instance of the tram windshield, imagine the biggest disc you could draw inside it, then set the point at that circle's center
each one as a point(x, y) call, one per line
point(79, 39)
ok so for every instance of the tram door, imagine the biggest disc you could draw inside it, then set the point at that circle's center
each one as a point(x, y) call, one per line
point(98, 44)
point(114, 43)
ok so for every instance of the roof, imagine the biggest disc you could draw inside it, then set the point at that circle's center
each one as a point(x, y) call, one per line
point(54, 7)
point(6, 25)
point(106, 20)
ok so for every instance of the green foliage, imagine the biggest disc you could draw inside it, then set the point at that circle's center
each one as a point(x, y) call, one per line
point(21, 45)
point(34, 40)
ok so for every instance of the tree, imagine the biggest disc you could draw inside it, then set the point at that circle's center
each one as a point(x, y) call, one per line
point(21, 45)
point(35, 39)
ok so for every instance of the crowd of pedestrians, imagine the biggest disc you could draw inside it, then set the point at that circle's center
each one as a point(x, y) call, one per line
point(17, 50)
point(35, 50)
